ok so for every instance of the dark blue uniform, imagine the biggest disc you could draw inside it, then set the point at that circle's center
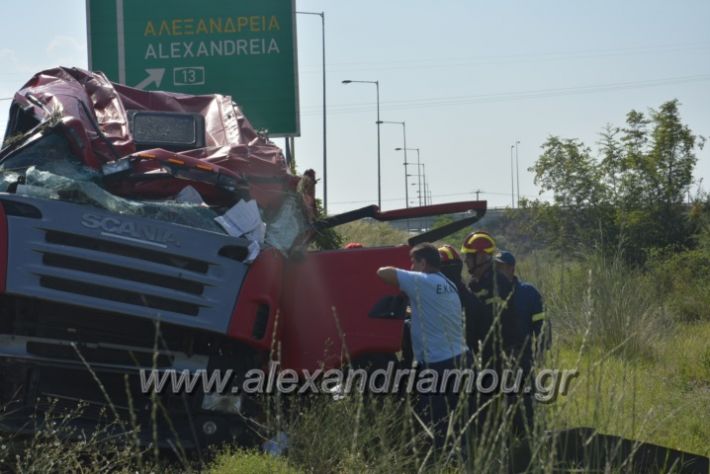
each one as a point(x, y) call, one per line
point(531, 315)
point(530, 310)
point(493, 327)
point(507, 319)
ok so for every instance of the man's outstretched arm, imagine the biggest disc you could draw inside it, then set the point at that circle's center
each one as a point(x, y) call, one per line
point(388, 275)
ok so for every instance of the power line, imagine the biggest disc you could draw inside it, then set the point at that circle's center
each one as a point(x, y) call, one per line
point(470, 193)
point(430, 63)
point(513, 96)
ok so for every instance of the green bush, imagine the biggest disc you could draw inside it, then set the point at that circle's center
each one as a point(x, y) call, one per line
point(681, 279)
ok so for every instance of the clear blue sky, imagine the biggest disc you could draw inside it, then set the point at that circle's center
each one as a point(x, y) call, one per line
point(469, 78)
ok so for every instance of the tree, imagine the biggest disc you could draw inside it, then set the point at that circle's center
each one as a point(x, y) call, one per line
point(613, 164)
point(635, 176)
point(672, 155)
point(631, 195)
point(567, 168)
point(660, 158)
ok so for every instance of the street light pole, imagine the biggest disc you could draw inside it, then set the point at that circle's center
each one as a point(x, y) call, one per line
point(517, 171)
point(419, 178)
point(379, 177)
point(512, 182)
point(419, 175)
point(379, 173)
point(404, 141)
point(425, 191)
point(325, 161)
point(422, 175)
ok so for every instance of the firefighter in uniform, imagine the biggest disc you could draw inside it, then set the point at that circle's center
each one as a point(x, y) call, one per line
point(495, 330)
point(451, 267)
point(529, 310)
point(529, 307)
point(497, 336)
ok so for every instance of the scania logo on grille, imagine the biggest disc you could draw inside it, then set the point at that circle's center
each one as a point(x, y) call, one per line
point(129, 229)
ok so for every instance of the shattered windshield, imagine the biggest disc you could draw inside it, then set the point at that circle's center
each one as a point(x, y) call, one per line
point(45, 167)
point(52, 172)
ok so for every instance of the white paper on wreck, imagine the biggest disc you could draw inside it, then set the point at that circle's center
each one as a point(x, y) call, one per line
point(240, 219)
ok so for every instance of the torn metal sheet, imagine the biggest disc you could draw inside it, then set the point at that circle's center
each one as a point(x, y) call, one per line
point(95, 116)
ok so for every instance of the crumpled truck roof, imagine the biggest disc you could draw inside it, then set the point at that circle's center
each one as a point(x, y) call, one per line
point(102, 107)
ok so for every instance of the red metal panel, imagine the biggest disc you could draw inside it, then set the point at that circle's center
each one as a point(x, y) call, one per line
point(327, 298)
point(432, 210)
point(262, 285)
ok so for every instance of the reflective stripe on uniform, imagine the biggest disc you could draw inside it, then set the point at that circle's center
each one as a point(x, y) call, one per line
point(499, 300)
point(538, 317)
point(496, 299)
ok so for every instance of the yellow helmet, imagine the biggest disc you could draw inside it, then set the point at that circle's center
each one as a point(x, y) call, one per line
point(479, 241)
point(448, 254)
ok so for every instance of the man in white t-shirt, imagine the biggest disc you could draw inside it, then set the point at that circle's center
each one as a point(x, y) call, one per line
point(437, 327)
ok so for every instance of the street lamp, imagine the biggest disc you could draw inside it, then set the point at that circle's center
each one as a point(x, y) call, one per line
point(413, 184)
point(404, 142)
point(325, 163)
point(419, 176)
point(427, 198)
point(427, 201)
point(427, 191)
point(379, 177)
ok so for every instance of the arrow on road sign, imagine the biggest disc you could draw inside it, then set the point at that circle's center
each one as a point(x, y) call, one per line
point(154, 75)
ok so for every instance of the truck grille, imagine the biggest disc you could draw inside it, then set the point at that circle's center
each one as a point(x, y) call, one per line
point(157, 289)
point(89, 243)
point(58, 254)
point(103, 292)
point(99, 268)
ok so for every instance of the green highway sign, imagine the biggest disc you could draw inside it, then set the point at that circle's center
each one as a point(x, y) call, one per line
point(242, 48)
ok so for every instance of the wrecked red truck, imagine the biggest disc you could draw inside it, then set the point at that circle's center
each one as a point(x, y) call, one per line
point(144, 230)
